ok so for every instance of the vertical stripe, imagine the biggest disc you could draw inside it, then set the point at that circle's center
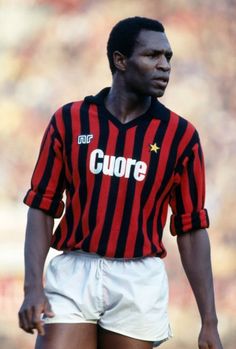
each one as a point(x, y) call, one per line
point(186, 138)
point(199, 178)
point(80, 190)
point(50, 173)
point(185, 193)
point(191, 185)
point(137, 151)
point(117, 211)
point(114, 181)
point(166, 167)
point(63, 234)
point(149, 186)
point(159, 220)
point(73, 210)
point(132, 248)
point(42, 162)
point(201, 156)
point(164, 154)
point(102, 144)
point(90, 178)
point(60, 124)
point(107, 191)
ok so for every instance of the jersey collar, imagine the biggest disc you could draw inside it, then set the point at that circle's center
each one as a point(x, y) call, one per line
point(157, 110)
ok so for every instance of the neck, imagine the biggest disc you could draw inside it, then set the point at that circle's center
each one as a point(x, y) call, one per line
point(126, 105)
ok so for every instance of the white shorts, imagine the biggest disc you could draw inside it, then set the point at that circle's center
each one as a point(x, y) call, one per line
point(126, 296)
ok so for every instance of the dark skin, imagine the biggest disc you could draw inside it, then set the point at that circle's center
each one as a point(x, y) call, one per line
point(137, 78)
point(194, 249)
point(144, 74)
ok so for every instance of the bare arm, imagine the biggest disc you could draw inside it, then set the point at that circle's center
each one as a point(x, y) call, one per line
point(37, 242)
point(194, 250)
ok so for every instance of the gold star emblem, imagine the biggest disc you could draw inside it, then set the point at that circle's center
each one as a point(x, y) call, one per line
point(154, 147)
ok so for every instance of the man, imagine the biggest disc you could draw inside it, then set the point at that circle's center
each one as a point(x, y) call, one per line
point(122, 157)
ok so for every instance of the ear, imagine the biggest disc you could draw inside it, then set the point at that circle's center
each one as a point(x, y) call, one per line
point(119, 60)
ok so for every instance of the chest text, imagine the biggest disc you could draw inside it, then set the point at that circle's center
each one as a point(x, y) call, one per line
point(116, 166)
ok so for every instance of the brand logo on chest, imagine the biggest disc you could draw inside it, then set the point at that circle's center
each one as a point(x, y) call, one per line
point(116, 166)
point(85, 139)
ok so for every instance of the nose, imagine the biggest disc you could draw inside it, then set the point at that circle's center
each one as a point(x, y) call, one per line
point(163, 64)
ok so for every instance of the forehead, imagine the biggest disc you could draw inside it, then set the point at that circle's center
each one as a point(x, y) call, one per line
point(149, 39)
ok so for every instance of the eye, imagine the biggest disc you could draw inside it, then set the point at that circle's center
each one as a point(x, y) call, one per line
point(151, 54)
point(169, 56)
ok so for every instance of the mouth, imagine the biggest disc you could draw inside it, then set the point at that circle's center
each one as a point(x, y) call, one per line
point(161, 81)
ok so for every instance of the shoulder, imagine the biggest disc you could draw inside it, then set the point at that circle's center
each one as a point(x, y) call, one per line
point(172, 115)
point(67, 112)
point(67, 109)
point(181, 123)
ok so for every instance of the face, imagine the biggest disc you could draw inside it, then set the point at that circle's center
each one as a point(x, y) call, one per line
point(147, 70)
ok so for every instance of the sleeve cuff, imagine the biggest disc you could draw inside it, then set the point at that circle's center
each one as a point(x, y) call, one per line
point(180, 224)
point(50, 206)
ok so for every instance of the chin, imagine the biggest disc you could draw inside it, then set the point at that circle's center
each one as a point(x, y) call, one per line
point(157, 93)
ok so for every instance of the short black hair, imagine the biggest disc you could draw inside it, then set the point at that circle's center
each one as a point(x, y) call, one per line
point(123, 36)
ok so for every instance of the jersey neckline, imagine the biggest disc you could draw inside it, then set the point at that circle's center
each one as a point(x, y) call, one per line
point(154, 111)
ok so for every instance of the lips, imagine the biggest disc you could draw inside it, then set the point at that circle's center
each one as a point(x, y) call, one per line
point(161, 81)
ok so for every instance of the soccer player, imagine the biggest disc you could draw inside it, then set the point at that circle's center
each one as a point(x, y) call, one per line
point(121, 157)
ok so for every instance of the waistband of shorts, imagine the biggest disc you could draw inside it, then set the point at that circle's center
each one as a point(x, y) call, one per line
point(97, 256)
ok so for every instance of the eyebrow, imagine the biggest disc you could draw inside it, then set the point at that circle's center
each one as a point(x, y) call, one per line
point(156, 51)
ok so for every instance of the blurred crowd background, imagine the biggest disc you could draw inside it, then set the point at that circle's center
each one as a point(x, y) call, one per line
point(53, 52)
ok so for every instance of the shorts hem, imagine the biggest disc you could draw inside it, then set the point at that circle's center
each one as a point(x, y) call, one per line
point(155, 341)
point(69, 321)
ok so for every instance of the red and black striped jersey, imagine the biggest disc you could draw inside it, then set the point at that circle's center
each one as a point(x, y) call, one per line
point(119, 179)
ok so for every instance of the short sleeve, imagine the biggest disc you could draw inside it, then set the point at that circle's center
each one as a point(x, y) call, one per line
point(188, 195)
point(48, 179)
